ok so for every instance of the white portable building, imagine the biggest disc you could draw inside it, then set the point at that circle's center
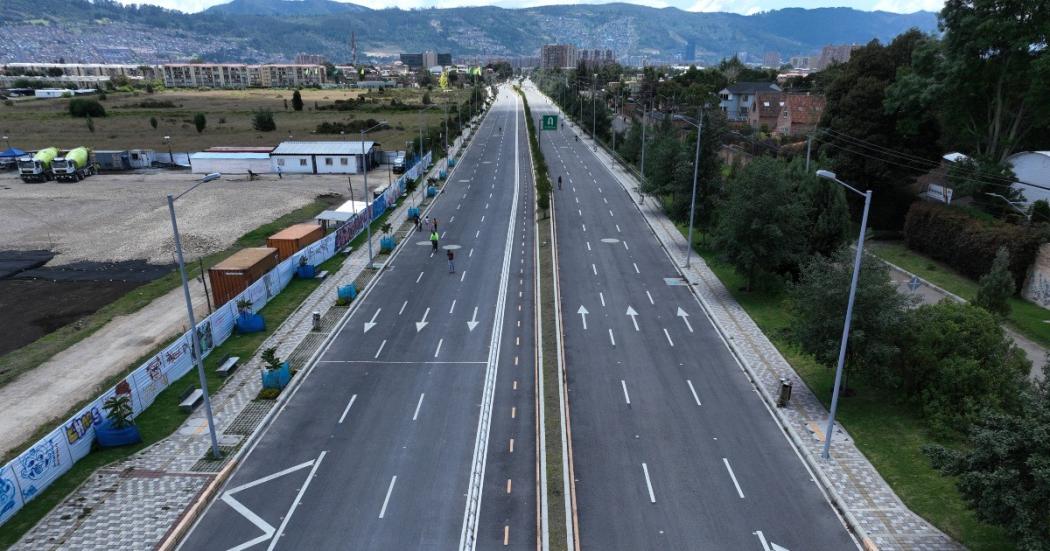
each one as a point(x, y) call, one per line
point(230, 162)
point(342, 157)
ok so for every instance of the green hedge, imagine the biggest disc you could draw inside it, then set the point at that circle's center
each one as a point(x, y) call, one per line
point(968, 244)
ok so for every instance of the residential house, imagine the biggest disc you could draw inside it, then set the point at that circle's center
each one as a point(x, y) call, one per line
point(800, 114)
point(737, 99)
point(765, 111)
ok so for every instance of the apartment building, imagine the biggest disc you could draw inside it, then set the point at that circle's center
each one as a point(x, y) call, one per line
point(554, 56)
point(235, 75)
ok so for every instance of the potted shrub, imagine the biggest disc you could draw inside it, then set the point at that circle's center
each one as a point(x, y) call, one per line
point(248, 321)
point(276, 373)
point(387, 242)
point(119, 428)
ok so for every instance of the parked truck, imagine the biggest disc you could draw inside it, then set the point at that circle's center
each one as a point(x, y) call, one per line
point(38, 167)
point(78, 164)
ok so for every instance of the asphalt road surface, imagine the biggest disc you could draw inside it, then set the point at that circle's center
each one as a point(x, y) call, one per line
point(416, 428)
point(673, 447)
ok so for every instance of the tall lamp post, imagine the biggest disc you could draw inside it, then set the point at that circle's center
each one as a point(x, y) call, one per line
point(216, 454)
point(368, 198)
point(828, 175)
point(699, 125)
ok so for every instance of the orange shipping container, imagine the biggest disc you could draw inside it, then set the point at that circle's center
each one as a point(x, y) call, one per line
point(293, 238)
point(233, 275)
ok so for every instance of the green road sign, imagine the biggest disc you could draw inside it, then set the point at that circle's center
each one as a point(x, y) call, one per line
point(550, 122)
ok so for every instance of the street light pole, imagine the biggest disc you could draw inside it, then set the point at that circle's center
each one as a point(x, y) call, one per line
point(368, 199)
point(197, 359)
point(828, 175)
point(696, 171)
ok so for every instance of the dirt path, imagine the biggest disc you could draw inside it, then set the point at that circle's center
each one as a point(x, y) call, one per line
point(44, 394)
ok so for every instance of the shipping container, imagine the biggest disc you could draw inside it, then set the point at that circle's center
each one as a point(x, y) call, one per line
point(233, 275)
point(293, 238)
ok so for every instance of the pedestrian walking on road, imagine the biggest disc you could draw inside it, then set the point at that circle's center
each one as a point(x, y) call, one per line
point(435, 223)
point(419, 226)
point(426, 221)
point(434, 240)
point(451, 264)
point(559, 182)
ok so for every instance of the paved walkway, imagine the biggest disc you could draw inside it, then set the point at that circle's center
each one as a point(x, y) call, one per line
point(135, 504)
point(928, 293)
point(870, 505)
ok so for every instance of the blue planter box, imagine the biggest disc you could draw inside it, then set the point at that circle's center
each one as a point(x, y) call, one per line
point(109, 437)
point(387, 244)
point(451, 161)
point(442, 174)
point(347, 292)
point(277, 378)
point(431, 191)
point(250, 323)
point(413, 212)
point(306, 271)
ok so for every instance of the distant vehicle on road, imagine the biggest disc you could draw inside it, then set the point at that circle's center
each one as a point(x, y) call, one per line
point(78, 164)
point(399, 164)
point(37, 168)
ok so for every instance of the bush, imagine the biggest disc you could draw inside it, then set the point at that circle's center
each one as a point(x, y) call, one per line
point(262, 121)
point(348, 127)
point(85, 107)
point(970, 245)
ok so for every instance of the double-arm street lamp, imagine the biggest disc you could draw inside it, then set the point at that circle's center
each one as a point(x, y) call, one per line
point(368, 196)
point(197, 359)
point(828, 175)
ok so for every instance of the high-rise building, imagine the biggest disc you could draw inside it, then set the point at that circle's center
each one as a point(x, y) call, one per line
point(831, 54)
point(426, 59)
point(771, 59)
point(430, 59)
point(689, 53)
point(800, 61)
point(558, 56)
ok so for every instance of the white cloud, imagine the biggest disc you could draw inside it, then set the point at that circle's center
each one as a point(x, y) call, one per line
point(908, 6)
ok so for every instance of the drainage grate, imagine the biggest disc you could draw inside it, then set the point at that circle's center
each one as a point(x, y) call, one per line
point(250, 417)
point(306, 348)
point(330, 319)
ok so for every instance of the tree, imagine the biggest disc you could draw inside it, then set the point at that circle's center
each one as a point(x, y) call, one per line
point(827, 214)
point(957, 362)
point(819, 300)
point(297, 101)
point(1003, 473)
point(199, 122)
point(262, 121)
point(153, 122)
point(426, 98)
point(86, 107)
point(997, 286)
point(149, 88)
point(759, 227)
point(1040, 212)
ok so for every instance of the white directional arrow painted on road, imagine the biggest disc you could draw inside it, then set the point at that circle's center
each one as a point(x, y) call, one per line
point(423, 322)
point(768, 545)
point(474, 320)
point(634, 317)
point(685, 317)
point(583, 315)
point(372, 323)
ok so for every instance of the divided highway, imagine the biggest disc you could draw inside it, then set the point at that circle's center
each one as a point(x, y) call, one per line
point(673, 448)
point(416, 428)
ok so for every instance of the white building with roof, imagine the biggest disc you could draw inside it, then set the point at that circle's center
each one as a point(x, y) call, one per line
point(1032, 171)
point(231, 162)
point(341, 157)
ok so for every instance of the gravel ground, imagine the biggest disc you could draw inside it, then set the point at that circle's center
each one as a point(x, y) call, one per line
point(115, 217)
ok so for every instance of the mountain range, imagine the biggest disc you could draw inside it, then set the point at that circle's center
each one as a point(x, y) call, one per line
point(274, 30)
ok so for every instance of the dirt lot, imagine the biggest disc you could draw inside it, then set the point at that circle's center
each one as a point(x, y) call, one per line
point(36, 123)
point(116, 217)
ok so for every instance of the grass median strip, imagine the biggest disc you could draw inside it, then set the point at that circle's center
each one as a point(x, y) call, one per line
point(890, 434)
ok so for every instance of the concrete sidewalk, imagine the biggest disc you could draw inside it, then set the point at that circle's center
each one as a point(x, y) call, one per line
point(852, 482)
point(135, 504)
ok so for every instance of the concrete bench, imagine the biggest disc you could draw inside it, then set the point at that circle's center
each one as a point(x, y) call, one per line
point(321, 275)
point(228, 365)
point(191, 398)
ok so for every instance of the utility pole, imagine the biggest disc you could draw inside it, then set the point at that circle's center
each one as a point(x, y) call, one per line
point(696, 171)
point(809, 146)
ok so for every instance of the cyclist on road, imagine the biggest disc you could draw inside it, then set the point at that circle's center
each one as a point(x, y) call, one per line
point(434, 240)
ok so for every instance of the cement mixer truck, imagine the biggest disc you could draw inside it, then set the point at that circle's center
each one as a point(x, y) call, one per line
point(78, 164)
point(38, 167)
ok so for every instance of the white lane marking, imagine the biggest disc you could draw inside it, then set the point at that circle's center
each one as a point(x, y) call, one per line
point(471, 253)
point(418, 404)
point(372, 323)
point(636, 270)
point(606, 200)
point(476, 234)
point(611, 338)
point(458, 206)
point(399, 312)
point(685, 317)
point(580, 211)
point(602, 296)
point(610, 212)
point(295, 504)
point(693, 390)
point(648, 483)
point(584, 227)
point(453, 306)
point(583, 315)
point(634, 317)
point(423, 322)
point(443, 235)
point(267, 528)
point(739, 492)
point(588, 245)
point(463, 276)
point(668, 335)
point(473, 320)
point(486, 205)
point(381, 345)
point(451, 220)
point(625, 245)
point(618, 228)
point(626, 396)
point(389, 491)
point(650, 298)
point(347, 410)
point(577, 200)
point(420, 275)
point(594, 269)
point(483, 219)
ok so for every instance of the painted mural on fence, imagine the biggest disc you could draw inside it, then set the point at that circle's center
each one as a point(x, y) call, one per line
point(27, 475)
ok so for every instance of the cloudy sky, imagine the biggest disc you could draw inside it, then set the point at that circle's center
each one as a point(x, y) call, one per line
point(739, 6)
